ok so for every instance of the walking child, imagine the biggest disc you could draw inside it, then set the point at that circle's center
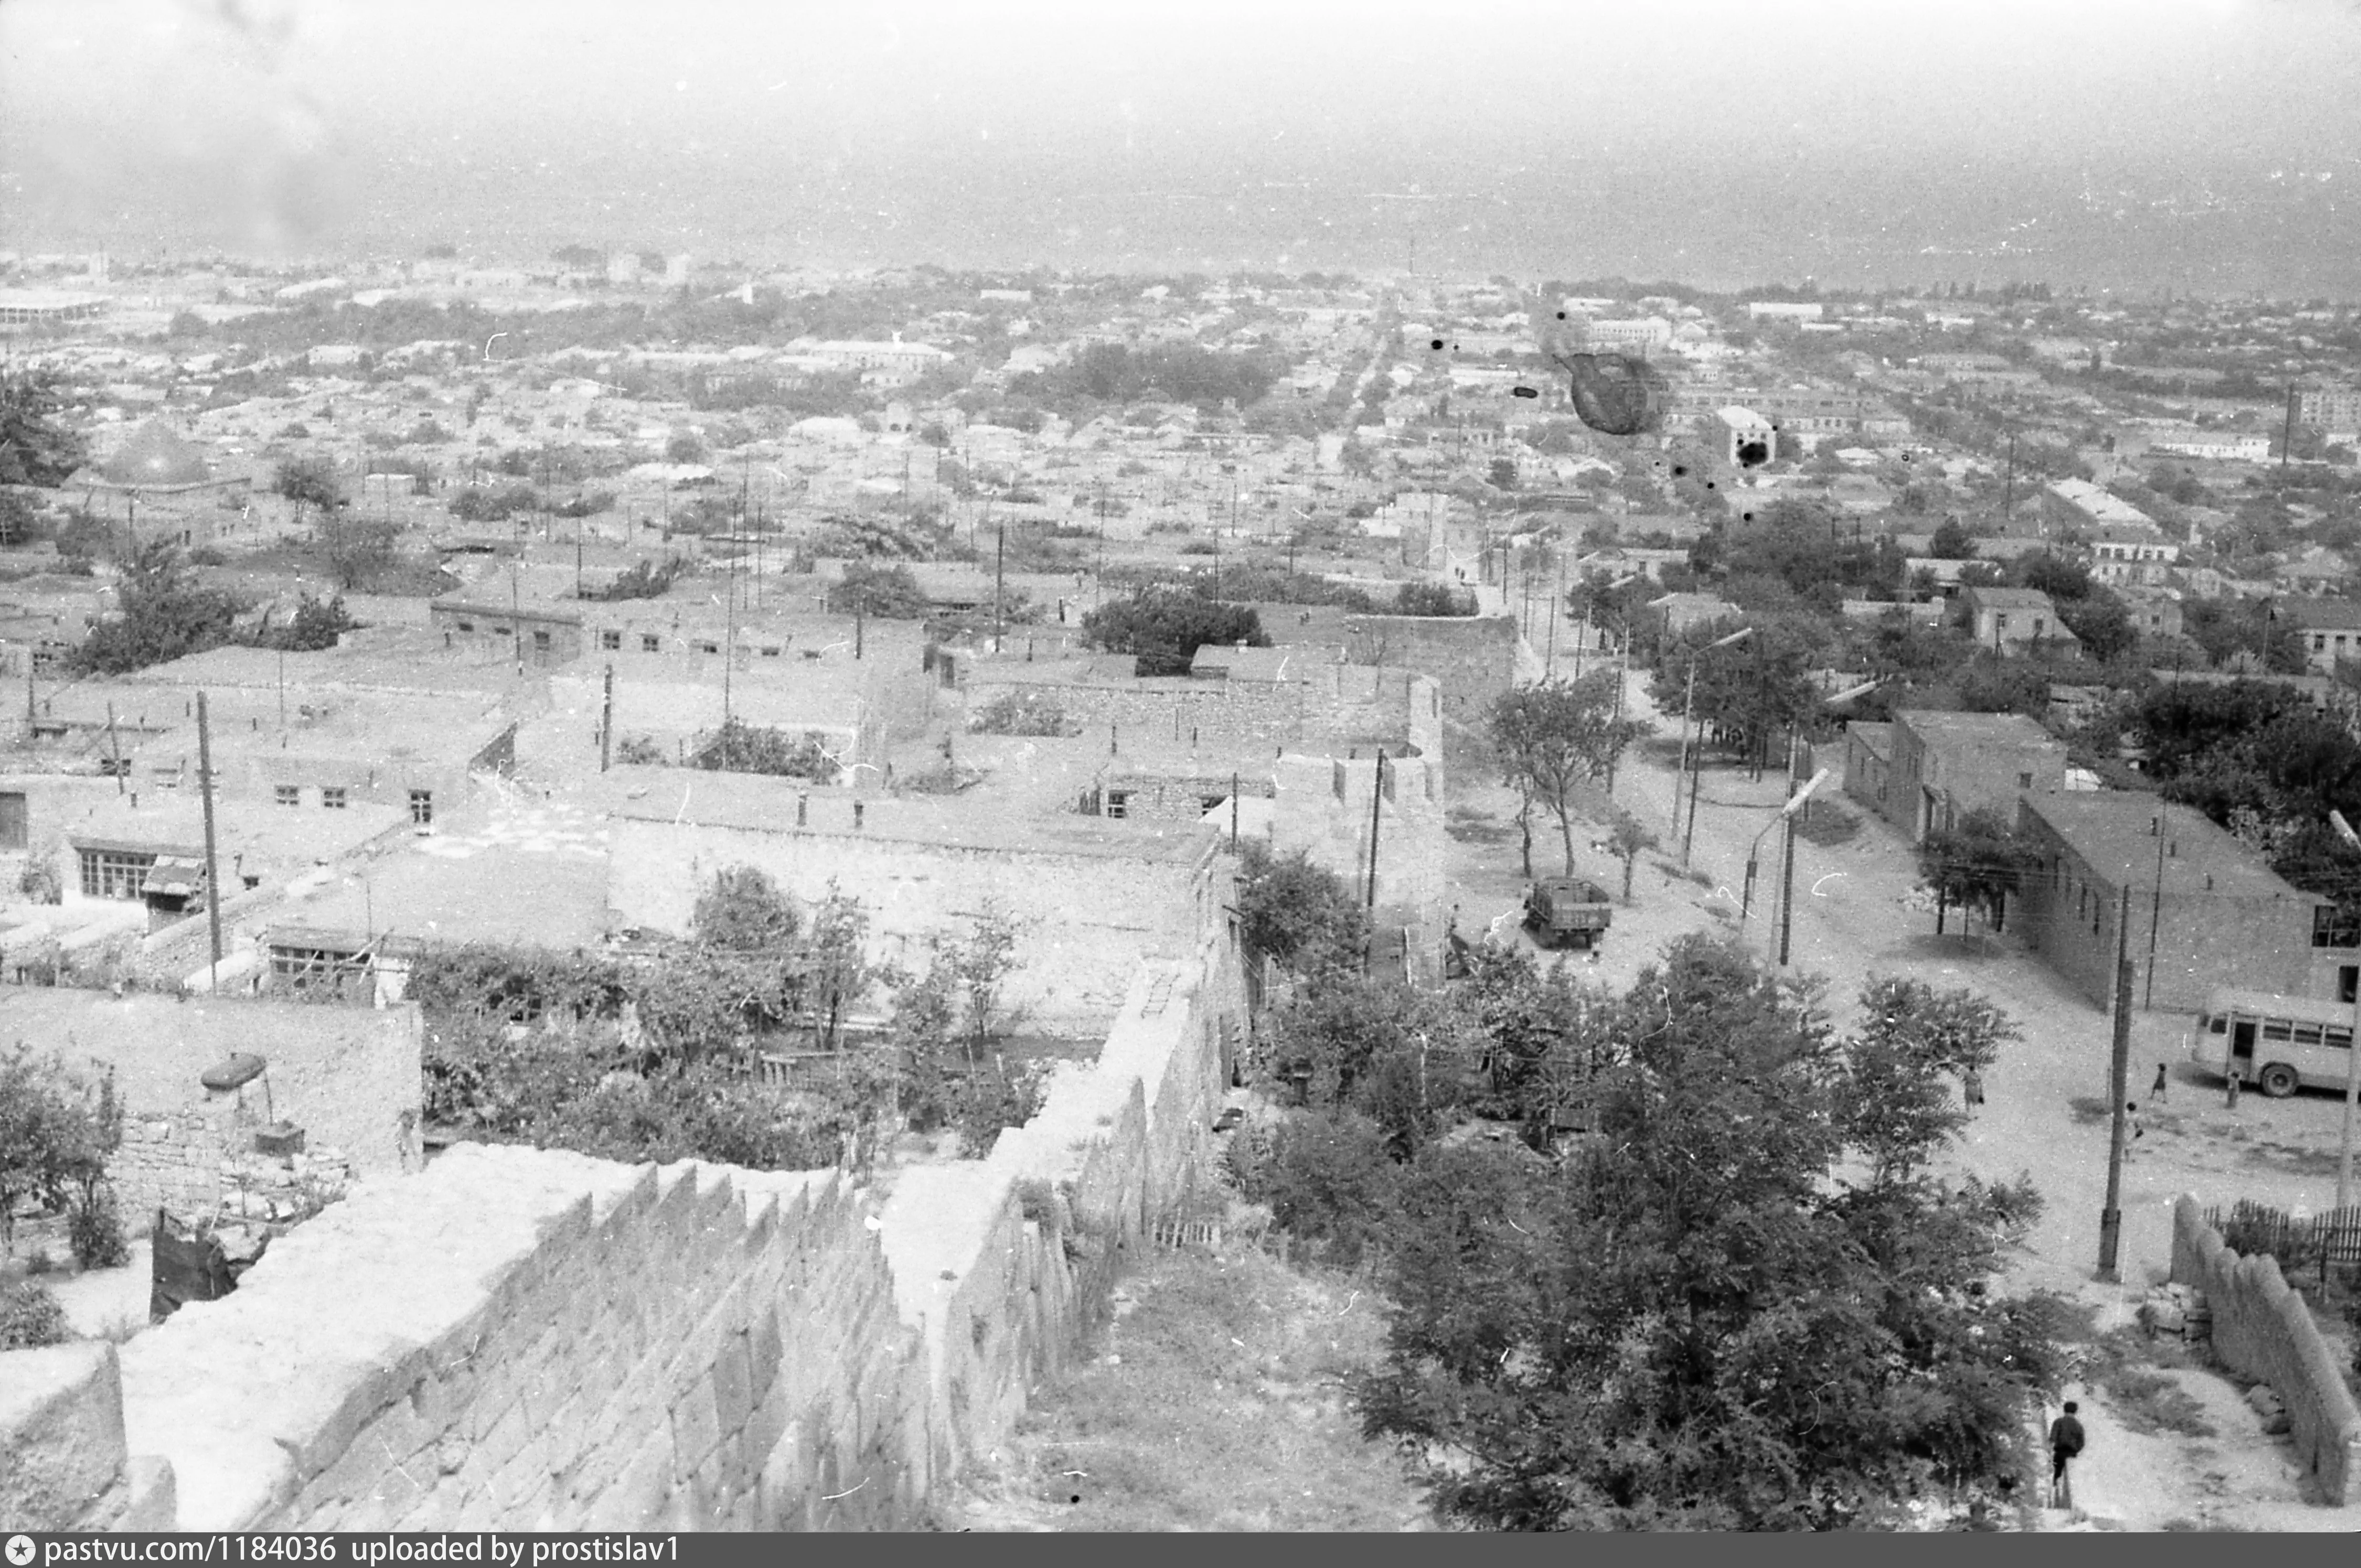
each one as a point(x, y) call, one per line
point(2065, 1445)
point(2156, 1091)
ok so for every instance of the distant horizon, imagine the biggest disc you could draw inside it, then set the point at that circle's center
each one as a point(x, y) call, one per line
point(2200, 147)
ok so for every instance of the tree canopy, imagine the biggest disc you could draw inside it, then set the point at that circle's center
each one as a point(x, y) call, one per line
point(1557, 735)
point(37, 446)
point(1745, 1303)
point(1163, 628)
point(163, 613)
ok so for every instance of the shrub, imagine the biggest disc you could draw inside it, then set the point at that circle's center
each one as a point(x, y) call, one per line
point(742, 748)
point(1022, 713)
point(991, 1101)
point(639, 751)
point(1333, 1182)
point(40, 1261)
point(207, 555)
point(94, 1231)
point(30, 1316)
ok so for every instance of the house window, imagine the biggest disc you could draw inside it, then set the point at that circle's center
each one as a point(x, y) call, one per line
point(466, 626)
point(1118, 802)
point(709, 647)
point(2024, 781)
point(2334, 928)
point(500, 631)
point(287, 795)
point(651, 643)
point(611, 639)
point(113, 873)
point(2319, 642)
point(331, 796)
point(770, 652)
point(541, 642)
point(421, 806)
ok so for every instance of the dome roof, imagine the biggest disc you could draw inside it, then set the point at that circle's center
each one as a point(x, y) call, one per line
point(156, 455)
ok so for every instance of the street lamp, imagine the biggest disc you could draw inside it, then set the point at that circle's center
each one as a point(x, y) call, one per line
point(2352, 1057)
point(1794, 804)
point(1689, 749)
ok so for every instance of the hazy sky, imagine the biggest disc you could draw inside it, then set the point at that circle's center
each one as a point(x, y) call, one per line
point(2148, 142)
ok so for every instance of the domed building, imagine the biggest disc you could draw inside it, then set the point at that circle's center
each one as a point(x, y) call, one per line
point(157, 466)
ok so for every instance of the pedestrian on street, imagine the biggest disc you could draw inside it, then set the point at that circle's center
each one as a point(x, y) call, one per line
point(2131, 1116)
point(2231, 1094)
point(1972, 1089)
point(2158, 1090)
point(2065, 1445)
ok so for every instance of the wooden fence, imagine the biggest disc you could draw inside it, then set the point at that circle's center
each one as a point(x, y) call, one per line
point(2328, 1245)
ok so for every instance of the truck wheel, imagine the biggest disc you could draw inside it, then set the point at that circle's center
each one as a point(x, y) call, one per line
point(2279, 1080)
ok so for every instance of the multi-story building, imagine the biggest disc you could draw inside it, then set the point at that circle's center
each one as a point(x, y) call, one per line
point(2329, 408)
point(2328, 628)
point(1926, 770)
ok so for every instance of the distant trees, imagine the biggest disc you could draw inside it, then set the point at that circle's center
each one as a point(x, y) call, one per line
point(1117, 373)
point(1557, 735)
point(359, 548)
point(1431, 599)
point(56, 1133)
point(738, 747)
point(1163, 628)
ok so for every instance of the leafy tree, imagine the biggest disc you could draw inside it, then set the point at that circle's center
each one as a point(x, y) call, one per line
point(316, 624)
point(2101, 623)
point(1951, 541)
point(890, 592)
point(359, 548)
point(739, 747)
point(1630, 838)
point(1399, 1056)
point(1991, 683)
point(1298, 914)
point(1557, 735)
point(742, 911)
point(1164, 628)
point(644, 580)
point(37, 446)
point(1430, 599)
point(310, 481)
point(1503, 473)
point(1744, 1303)
point(1022, 712)
point(1975, 863)
point(162, 614)
point(56, 1133)
point(1752, 689)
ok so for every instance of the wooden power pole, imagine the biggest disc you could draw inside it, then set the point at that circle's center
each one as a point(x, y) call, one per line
point(213, 877)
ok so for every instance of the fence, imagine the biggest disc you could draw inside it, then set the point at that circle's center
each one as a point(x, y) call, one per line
point(2329, 1245)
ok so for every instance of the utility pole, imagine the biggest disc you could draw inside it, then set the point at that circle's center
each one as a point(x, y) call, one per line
point(607, 723)
point(1376, 798)
point(2155, 913)
point(212, 878)
point(2111, 1218)
point(999, 575)
point(2286, 433)
point(1234, 813)
point(729, 651)
point(115, 748)
point(1787, 861)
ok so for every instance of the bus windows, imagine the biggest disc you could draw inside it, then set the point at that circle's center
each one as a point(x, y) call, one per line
point(2217, 1024)
point(2307, 1034)
point(2275, 1029)
point(2340, 1038)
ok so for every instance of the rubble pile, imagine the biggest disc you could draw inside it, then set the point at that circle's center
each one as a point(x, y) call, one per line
point(2266, 1404)
point(2179, 1310)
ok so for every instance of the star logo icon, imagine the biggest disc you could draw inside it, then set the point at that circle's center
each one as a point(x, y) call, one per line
point(21, 1549)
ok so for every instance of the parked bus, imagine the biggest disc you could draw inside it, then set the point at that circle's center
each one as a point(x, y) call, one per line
point(2279, 1042)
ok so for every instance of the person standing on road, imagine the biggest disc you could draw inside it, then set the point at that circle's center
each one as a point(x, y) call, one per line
point(1972, 1089)
point(2065, 1445)
point(2230, 1095)
point(2156, 1091)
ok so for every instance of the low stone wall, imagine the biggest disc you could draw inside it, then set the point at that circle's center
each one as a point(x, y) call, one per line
point(2262, 1329)
point(527, 1338)
point(61, 1430)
